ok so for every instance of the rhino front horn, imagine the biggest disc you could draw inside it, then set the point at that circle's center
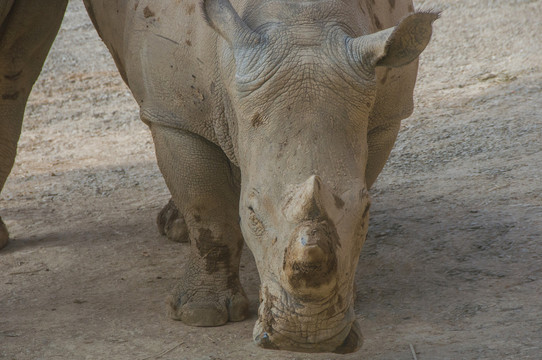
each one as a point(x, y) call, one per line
point(309, 201)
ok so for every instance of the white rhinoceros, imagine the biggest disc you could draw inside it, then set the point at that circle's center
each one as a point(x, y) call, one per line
point(271, 120)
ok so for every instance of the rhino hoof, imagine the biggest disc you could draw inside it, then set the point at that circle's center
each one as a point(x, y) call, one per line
point(171, 223)
point(214, 310)
point(4, 235)
point(197, 306)
point(205, 313)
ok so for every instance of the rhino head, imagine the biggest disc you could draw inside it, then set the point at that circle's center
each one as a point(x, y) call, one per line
point(300, 83)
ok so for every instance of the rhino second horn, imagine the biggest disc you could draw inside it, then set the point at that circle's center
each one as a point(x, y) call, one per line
point(310, 260)
point(308, 202)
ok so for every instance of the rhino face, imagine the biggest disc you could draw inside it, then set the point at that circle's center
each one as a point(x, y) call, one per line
point(306, 243)
point(301, 87)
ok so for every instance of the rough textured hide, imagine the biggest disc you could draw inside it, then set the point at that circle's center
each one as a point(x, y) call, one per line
point(271, 120)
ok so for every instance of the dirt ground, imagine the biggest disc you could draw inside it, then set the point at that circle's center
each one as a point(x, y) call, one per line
point(452, 265)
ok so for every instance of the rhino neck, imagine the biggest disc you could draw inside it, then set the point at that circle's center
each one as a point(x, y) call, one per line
point(224, 119)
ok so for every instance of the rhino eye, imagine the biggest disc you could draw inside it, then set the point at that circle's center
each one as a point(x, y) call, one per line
point(255, 224)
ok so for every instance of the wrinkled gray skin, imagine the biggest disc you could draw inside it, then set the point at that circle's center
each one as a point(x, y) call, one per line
point(271, 120)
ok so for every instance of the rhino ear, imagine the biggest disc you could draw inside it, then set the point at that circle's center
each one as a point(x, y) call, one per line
point(223, 18)
point(397, 46)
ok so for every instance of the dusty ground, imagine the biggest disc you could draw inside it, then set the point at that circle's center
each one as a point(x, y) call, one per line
point(452, 265)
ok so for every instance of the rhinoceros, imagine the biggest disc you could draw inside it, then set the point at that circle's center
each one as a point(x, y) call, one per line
point(271, 120)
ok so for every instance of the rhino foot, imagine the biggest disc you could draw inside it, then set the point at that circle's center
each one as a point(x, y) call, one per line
point(199, 300)
point(4, 235)
point(171, 223)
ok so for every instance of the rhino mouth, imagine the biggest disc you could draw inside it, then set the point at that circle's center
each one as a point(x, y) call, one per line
point(286, 324)
point(347, 340)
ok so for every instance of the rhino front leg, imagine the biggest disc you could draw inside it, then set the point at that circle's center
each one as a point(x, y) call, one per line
point(27, 30)
point(202, 183)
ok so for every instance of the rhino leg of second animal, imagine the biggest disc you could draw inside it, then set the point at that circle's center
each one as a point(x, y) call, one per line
point(203, 185)
point(171, 223)
point(27, 30)
point(4, 235)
